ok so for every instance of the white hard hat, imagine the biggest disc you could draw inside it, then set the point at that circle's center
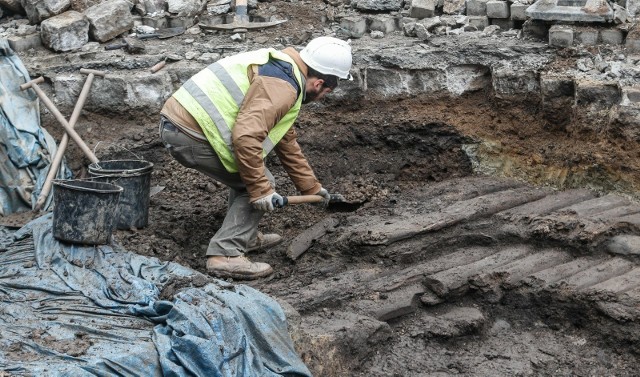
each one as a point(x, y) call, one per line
point(328, 55)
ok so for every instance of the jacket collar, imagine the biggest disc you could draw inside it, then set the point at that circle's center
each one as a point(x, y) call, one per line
point(295, 55)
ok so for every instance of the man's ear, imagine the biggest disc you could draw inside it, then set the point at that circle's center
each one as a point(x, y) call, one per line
point(317, 84)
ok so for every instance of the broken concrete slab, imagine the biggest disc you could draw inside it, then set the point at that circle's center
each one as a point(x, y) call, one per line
point(567, 10)
point(66, 32)
point(109, 19)
point(560, 36)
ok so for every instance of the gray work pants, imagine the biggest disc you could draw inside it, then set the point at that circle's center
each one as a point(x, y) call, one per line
point(240, 225)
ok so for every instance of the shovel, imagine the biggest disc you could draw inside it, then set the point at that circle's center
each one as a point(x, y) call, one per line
point(337, 203)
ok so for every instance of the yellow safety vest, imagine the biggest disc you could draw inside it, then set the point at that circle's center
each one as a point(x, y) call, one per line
point(214, 95)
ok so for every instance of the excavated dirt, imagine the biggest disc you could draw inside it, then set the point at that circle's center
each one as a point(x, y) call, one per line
point(402, 158)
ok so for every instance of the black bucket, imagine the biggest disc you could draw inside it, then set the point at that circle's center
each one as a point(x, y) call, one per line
point(84, 211)
point(135, 178)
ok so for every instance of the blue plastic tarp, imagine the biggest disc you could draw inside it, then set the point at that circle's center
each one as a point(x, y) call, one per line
point(26, 149)
point(70, 310)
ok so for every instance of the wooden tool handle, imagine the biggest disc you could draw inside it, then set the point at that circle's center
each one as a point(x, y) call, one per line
point(28, 85)
point(300, 199)
point(89, 71)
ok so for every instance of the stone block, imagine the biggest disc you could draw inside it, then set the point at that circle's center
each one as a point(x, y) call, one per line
point(21, 43)
point(611, 36)
point(557, 97)
point(477, 7)
point(598, 94)
point(504, 23)
point(535, 29)
point(631, 96)
point(497, 9)
point(355, 26)
point(454, 7)
point(467, 78)
point(39, 10)
point(155, 21)
point(181, 21)
point(65, 32)
point(184, 7)
point(109, 19)
point(385, 24)
point(560, 36)
point(422, 8)
point(13, 5)
point(480, 22)
point(552, 87)
point(509, 83)
point(377, 5)
point(585, 36)
point(517, 11)
point(632, 42)
point(391, 83)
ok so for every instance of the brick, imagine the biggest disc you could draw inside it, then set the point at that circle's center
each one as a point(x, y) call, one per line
point(422, 8)
point(477, 7)
point(497, 9)
point(611, 36)
point(517, 11)
point(560, 36)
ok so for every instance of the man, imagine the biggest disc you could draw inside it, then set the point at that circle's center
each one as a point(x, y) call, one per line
point(226, 119)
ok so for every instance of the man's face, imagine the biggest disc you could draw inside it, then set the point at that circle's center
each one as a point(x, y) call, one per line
point(315, 90)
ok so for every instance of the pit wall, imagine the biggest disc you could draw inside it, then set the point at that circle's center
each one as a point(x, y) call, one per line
point(560, 96)
point(568, 105)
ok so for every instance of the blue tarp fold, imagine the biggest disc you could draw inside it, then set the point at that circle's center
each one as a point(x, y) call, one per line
point(26, 149)
point(72, 310)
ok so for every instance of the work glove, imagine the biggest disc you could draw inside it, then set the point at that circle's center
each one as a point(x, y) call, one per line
point(326, 197)
point(269, 202)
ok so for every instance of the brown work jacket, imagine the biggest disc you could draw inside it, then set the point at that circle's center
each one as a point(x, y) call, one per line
point(265, 103)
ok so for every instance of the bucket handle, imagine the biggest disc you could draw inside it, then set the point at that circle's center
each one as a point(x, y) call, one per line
point(117, 145)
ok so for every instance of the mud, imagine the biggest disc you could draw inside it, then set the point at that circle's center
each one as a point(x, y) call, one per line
point(357, 302)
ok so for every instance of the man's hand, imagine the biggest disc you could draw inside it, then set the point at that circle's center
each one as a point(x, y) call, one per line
point(326, 197)
point(266, 203)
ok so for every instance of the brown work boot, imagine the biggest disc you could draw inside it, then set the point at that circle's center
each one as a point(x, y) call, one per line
point(237, 267)
point(264, 241)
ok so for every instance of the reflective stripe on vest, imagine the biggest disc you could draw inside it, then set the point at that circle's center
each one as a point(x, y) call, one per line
point(214, 97)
